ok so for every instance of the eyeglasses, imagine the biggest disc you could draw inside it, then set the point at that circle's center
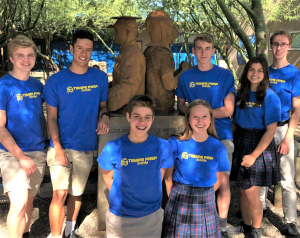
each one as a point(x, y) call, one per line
point(283, 45)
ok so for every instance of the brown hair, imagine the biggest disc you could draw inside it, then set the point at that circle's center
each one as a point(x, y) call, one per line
point(141, 101)
point(207, 37)
point(20, 41)
point(188, 132)
point(284, 33)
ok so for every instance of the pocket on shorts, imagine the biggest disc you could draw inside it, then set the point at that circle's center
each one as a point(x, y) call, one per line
point(51, 157)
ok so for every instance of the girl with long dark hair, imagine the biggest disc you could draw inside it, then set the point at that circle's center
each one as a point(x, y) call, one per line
point(254, 161)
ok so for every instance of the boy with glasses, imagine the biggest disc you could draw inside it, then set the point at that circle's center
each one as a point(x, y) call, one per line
point(285, 81)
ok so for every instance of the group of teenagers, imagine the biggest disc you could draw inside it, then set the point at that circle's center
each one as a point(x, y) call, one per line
point(243, 135)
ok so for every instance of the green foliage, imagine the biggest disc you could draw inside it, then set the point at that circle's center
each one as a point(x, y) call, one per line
point(18, 16)
point(276, 10)
point(223, 18)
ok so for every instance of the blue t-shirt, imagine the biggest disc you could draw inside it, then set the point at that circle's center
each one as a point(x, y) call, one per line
point(286, 83)
point(196, 163)
point(77, 98)
point(252, 117)
point(22, 102)
point(137, 189)
point(213, 86)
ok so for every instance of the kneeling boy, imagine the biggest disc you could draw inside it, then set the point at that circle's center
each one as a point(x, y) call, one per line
point(133, 168)
point(22, 141)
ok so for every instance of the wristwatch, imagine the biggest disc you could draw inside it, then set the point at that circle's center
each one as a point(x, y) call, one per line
point(105, 113)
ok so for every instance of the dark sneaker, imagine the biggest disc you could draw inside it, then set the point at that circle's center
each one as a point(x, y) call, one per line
point(291, 230)
point(256, 233)
point(225, 233)
point(72, 235)
point(26, 235)
point(241, 228)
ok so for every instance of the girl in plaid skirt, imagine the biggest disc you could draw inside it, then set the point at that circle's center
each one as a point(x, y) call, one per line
point(200, 161)
point(254, 162)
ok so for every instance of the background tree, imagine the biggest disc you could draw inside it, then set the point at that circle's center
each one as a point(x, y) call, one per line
point(230, 20)
point(226, 19)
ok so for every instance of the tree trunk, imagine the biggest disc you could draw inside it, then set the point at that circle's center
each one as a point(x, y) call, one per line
point(261, 30)
point(237, 28)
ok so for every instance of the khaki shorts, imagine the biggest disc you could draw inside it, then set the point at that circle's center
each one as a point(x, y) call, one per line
point(14, 177)
point(144, 227)
point(229, 147)
point(74, 176)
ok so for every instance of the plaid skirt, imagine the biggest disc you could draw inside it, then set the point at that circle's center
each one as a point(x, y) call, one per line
point(191, 212)
point(266, 169)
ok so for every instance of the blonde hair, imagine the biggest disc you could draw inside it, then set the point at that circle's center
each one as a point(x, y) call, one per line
point(188, 132)
point(20, 41)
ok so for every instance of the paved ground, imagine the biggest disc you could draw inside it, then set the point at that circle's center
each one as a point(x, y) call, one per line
point(272, 224)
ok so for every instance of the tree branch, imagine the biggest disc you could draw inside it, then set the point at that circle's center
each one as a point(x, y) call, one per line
point(29, 13)
point(237, 28)
point(48, 58)
point(39, 14)
point(247, 8)
point(103, 42)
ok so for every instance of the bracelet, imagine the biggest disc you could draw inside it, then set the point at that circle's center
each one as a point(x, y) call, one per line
point(106, 114)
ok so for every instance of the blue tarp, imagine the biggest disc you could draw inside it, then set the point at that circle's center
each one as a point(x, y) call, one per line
point(62, 56)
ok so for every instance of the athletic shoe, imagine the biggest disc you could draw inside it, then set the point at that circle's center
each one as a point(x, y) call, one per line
point(26, 235)
point(291, 230)
point(225, 234)
point(241, 228)
point(256, 233)
point(72, 235)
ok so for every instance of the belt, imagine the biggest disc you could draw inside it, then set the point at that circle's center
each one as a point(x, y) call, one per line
point(282, 123)
point(251, 130)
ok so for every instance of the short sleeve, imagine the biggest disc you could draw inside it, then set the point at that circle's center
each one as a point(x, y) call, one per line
point(296, 85)
point(50, 93)
point(104, 89)
point(3, 97)
point(272, 107)
point(223, 161)
point(167, 160)
point(104, 159)
point(229, 84)
point(179, 92)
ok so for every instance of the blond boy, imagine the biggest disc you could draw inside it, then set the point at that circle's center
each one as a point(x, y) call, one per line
point(22, 141)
